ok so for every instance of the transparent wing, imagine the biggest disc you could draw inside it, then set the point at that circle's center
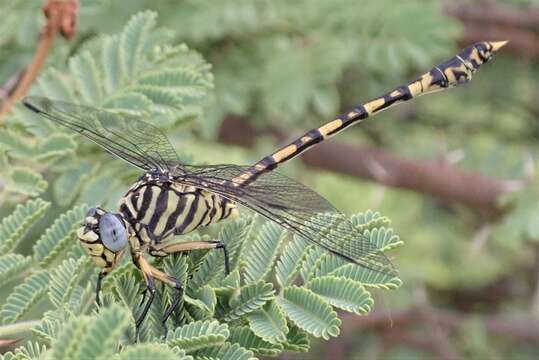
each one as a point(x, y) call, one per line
point(125, 136)
point(295, 207)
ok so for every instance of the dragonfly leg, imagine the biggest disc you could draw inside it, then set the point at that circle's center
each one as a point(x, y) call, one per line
point(144, 292)
point(146, 269)
point(100, 277)
point(166, 249)
point(173, 306)
point(151, 273)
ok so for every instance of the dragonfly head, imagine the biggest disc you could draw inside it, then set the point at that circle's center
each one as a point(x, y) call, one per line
point(104, 237)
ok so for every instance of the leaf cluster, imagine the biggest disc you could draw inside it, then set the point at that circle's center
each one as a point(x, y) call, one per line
point(281, 291)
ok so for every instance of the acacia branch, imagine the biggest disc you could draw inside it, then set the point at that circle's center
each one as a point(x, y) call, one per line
point(440, 180)
point(61, 18)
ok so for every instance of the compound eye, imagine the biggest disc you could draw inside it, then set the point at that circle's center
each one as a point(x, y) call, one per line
point(91, 212)
point(112, 232)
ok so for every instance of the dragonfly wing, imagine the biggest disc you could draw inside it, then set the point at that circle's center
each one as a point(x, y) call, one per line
point(295, 207)
point(126, 136)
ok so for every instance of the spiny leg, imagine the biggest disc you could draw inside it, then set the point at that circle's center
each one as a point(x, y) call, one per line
point(167, 249)
point(175, 283)
point(146, 269)
point(100, 277)
point(150, 273)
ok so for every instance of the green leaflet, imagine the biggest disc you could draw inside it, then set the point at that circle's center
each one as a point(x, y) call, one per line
point(14, 226)
point(23, 297)
point(87, 76)
point(227, 351)
point(290, 260)
point(95, 337)
point(133, 43)
point(52, 245)
point(26, 181)
point(297, 340)
point(234, 234)
point(51, 324)
point(11, 267)
point(383, 238)
point(262, 251)
point(29, 351)
point(55, 145)
point(198, 335)
point(367, 277)
point(269, 323)
point(151, 351)
point(250, 298)
point(243, 336)
point(64, 279)
point(346, 294)
point(310, 312)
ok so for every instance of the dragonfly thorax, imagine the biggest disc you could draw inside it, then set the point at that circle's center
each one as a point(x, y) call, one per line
point(157, 208)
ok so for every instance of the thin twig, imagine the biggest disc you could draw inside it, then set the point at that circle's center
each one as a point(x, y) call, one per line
point(61, 18)
point(17, 328)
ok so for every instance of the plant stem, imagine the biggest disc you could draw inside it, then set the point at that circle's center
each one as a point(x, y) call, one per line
point(23, 326)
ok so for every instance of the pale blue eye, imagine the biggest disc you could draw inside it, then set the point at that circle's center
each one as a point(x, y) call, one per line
point(112, 232)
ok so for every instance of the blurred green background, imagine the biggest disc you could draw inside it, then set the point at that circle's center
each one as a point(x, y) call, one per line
point(455, 171)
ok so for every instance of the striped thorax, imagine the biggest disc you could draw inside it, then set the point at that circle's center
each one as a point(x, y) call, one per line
point(158, 208)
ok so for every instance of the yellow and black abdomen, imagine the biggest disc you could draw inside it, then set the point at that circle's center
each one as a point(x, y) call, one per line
point(159, 210)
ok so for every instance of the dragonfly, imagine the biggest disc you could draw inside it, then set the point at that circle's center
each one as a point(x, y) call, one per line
point(173, 198)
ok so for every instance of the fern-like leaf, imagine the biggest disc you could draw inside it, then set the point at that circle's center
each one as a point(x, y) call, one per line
point(23, 297)
point(290, 260)
point(63, 280)
point(150, 351)
point(246, 338)
point(133, 41)
point(26, 181)
point(251, 297)
point(14, 226)
point(198, 335)
point(346, 294)
point(297, 340)
point(367, 277)
point(58, 238)
point(234, 234)
point(310, 312)
point(269, 323)
point(263, 251)
point(95, 337)
point(226, 351)
point(29, 351)
point(12, 265)
point(49, 327)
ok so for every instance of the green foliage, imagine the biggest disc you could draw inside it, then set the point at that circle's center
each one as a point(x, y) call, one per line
point(12, 265)
point(26, 181)
point(14, 226)
point(281, 291)
point(23, 297)
point(263, 251)
point(249, 298)
point(198, 335)
point(30, 351)
point(269, 323)
point(343, 293)
point(310, 312)
point(58, 239)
